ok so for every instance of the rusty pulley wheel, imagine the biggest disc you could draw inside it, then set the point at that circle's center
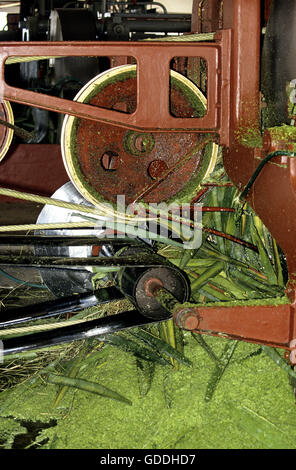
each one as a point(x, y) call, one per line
point(104, 161)
point(6, 134)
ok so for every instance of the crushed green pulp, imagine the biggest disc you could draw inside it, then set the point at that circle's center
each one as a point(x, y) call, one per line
point(252, 394)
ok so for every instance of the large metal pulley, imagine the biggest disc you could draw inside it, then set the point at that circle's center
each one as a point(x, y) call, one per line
point(6, 133)
point(104, 161)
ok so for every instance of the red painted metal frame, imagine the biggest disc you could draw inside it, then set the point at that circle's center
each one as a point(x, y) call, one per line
point(273, 195)
point(275, 324)
point(153, 62)
point(272, 325)
point(206, 16)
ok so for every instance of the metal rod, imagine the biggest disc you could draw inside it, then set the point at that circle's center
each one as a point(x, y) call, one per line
point(149, 259)
point(21, 240)
point(93, 328)
point(22, 133)
point(166, 299)
point(58, 307)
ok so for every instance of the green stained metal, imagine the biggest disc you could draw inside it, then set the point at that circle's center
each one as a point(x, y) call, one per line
point(166, 299)
point(147, 143)
point(284, 133)
point(249, 137)
point(237, 303)
point(199, 110)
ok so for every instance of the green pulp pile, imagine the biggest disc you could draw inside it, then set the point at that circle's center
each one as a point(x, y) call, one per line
point(253, 405)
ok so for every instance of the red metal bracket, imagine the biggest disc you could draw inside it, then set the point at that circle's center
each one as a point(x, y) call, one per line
point(273, 325)
point(153, 61)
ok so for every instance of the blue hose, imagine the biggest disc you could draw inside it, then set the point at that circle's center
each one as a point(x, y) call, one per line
point(19, 281)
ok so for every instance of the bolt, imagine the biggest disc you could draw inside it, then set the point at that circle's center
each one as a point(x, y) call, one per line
point(157, 168)
point(187, 319)
point(110, 160)
point(140, 143)
point(152, 285)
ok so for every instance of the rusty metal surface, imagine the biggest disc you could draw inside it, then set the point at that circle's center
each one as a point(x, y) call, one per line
point(115, 161)
point(272, 195)
point(245, 21)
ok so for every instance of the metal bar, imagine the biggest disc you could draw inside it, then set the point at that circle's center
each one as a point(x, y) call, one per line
point(58, 307)
point(134, 24)
point(138, 260)
point(153, 60)
point(22, 133)
point(35, 240)
point(96, 241)
point(94, 328)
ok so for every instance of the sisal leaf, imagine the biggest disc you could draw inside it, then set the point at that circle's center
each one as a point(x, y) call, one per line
point(87, 386)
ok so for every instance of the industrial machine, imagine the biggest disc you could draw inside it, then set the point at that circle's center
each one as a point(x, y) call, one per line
point(180, 151)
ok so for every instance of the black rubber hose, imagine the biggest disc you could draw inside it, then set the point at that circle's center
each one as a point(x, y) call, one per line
point(260, 167)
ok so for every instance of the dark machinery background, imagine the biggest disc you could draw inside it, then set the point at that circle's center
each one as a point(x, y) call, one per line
point(57, 20)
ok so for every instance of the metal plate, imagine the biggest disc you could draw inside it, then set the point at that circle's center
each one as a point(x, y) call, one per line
point(73, 280)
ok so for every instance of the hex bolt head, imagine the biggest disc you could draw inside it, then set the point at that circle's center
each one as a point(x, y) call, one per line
point(157, 168)
point(110, 160)
point(187, 319)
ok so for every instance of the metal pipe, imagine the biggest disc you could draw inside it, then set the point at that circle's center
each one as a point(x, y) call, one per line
point(35, 240)
point(156, 26)
point(149, 259)
point(62, 306)
point(94, 328)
